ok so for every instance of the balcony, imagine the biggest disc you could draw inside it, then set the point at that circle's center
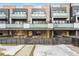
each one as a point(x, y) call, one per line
point(59, 5)
point(41, 26)
point(77, 14)
point(26, 26)
point(14, 26)
point(2, 26)
point(60, 15)
point(51, 26)
point(38, 26)
point(18, 16)
point(76, 26)
point(3, 16)
point(75, 4)
point(40, 16)
point(64, 26)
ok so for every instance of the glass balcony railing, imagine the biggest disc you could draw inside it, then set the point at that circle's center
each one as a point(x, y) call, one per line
point(65, 25)
point(19, 15)
point(38, 15)
point(40, 26)
point(77, 13)
point(60, 14)
point(2, 16)
point(76, 25)
point(59, 5)
point(2, 25)
point(75, 4)
point(14, 25)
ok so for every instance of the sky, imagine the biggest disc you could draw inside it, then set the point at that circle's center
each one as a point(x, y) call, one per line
point(21, 4)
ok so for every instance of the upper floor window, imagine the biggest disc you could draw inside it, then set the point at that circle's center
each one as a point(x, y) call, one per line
point(38, 12)
point(59, 10)
point(19, 11)
point(59, 4)
point(3, 11)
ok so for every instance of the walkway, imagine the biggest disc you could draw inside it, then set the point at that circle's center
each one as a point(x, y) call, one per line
point(25, 51)
point(54, 50)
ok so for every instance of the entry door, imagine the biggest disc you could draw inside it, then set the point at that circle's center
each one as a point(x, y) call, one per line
point(36, 33)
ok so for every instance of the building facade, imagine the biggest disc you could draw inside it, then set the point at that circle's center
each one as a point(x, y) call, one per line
point(44, 21)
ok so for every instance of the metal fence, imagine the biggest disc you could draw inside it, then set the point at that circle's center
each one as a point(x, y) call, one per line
point(36, 40)
point(12, 40)
point(61, 40)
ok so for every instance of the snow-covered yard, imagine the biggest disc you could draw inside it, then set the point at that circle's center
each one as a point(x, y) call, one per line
point(54, 50)
point(11, 50)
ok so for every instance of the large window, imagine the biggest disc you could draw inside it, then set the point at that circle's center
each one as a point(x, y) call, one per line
point(3, 11)
point(35, 11)
point(19, 11)
point(59, 10)
point(75, 9)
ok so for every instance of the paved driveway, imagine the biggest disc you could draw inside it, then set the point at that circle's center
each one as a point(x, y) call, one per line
point(25, 51)
point(54, 50)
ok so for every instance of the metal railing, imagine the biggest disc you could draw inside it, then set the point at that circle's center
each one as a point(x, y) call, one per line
point(60, 14)
point(19, 16)
point(14, 25)
point(64, 25)
point(35, 40)
point(3, 16)
point(48, 26)
point(19, 40)
point(39, 16)
point(38, 25)
point(61, 40)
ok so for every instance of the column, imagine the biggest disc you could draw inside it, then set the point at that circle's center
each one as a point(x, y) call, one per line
point(52, 34)
point(76, 20)
point(67, 33)
point(52, 20)
point(76, 33)
point(48, 34)
point(68, 11)
point(10, 19)
point(29, 14)
point(48, 14)
point(30, 34)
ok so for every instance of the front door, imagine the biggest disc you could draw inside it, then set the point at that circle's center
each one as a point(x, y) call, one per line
point(37, 34)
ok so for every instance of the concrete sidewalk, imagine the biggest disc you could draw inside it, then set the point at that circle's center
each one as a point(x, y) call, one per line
point(74, 48)
point(54, 50)
point(25, 51)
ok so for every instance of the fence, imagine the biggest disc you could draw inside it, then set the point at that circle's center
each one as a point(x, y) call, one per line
point(12, 40)
point(36, 40)
point(61, 40)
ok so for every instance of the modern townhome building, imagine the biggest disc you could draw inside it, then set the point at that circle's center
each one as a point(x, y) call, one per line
point(60, 15)
point(25, 21)
point(40, 20)
point(75, 17)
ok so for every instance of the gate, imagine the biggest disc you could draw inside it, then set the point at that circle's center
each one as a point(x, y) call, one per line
point(61, 40)
point(40, 40)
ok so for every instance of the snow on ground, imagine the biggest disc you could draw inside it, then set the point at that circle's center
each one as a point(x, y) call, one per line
point(54, 50)
point(11, 50)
